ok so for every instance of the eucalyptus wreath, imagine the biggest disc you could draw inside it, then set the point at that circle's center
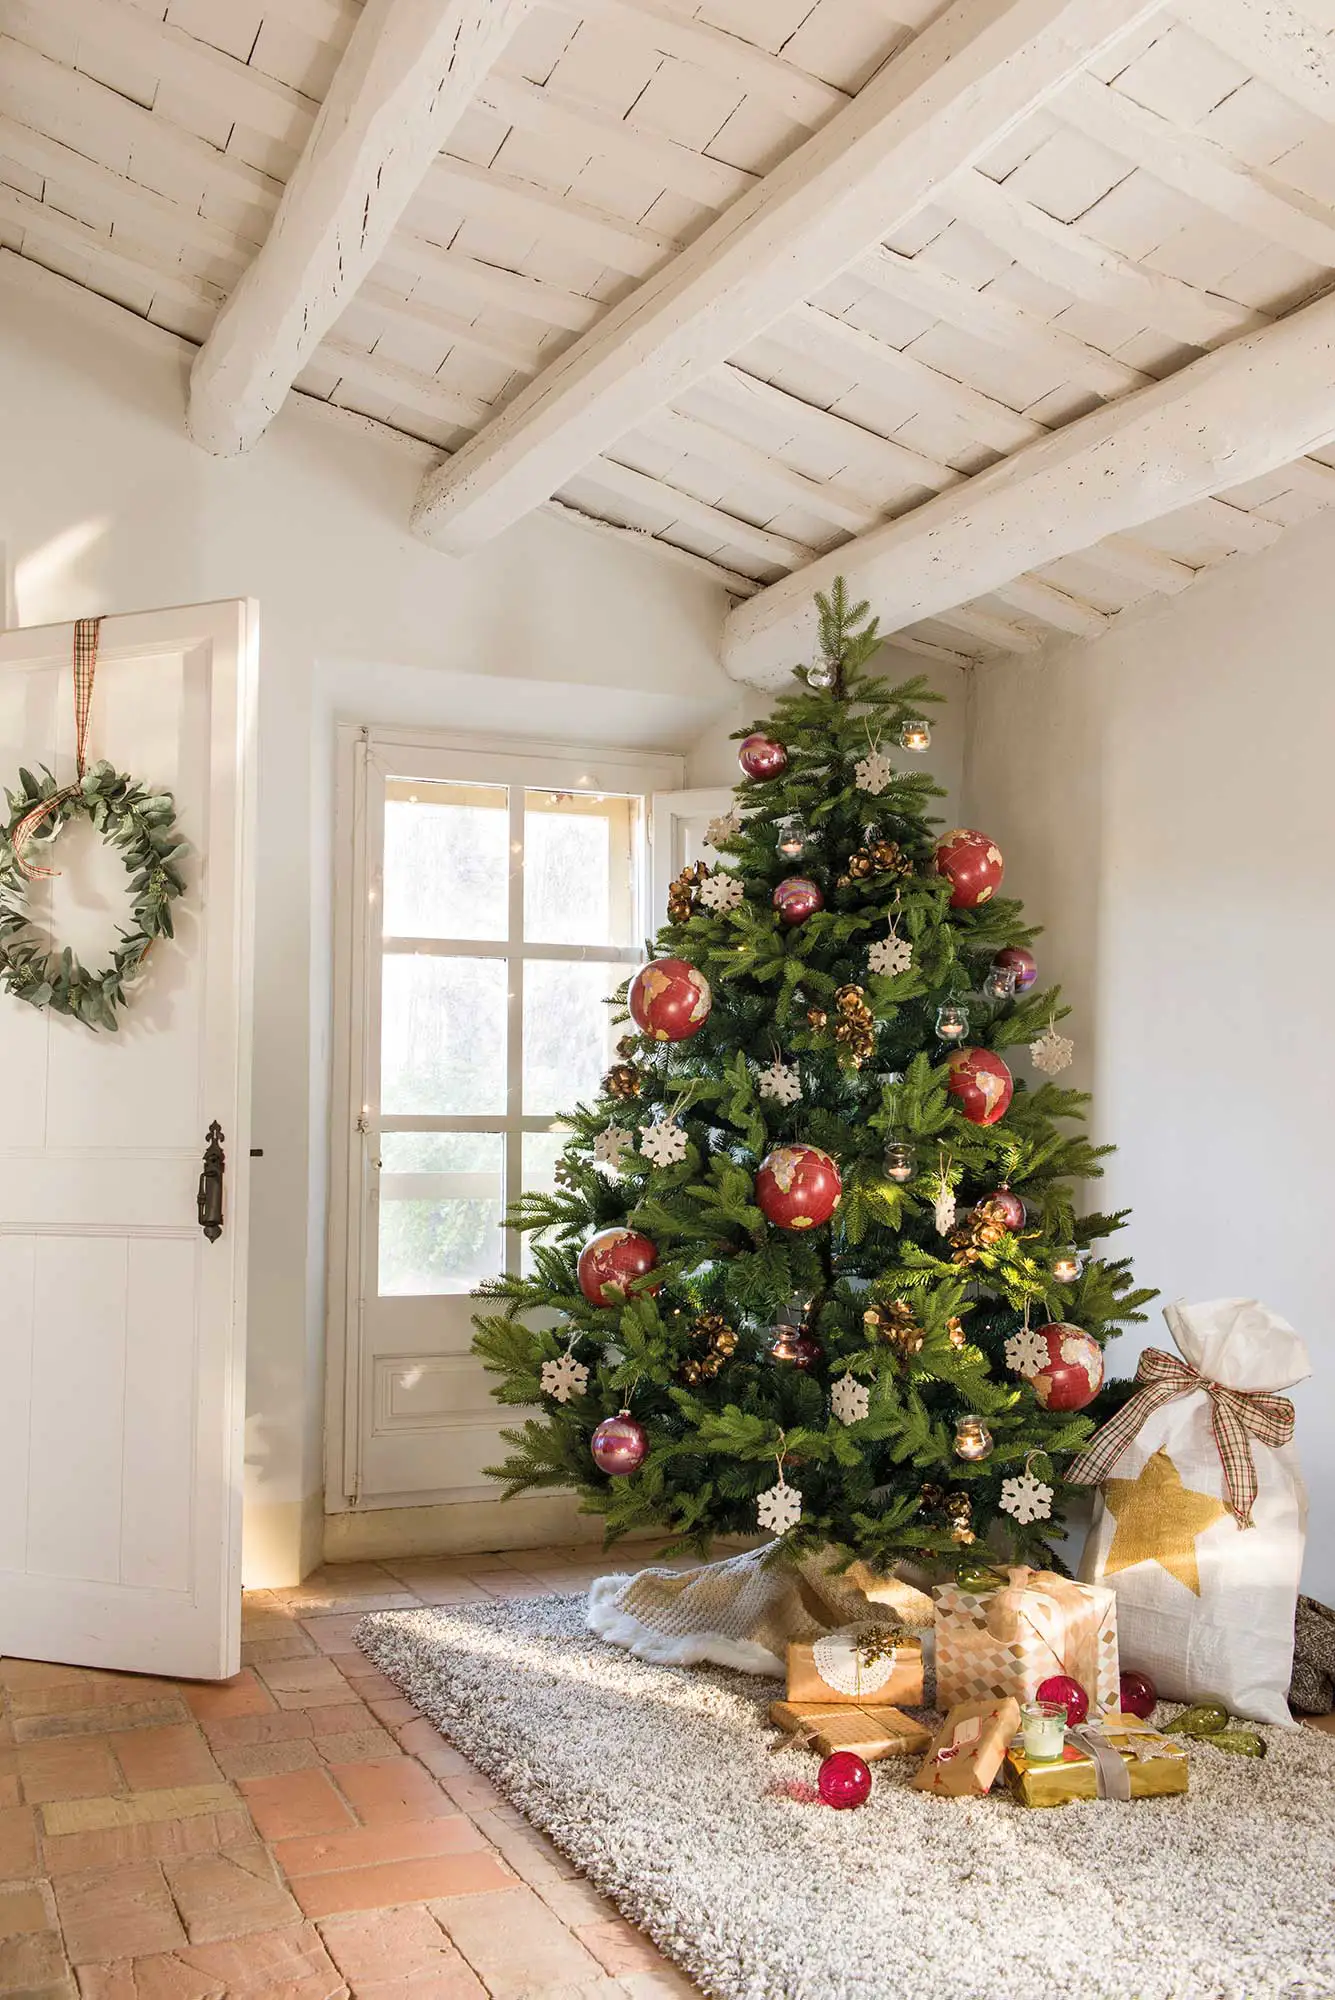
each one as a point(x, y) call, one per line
point(142, 825)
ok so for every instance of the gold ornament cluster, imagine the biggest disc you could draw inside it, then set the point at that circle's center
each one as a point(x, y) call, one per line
point(854, 1025)
point(982, 1229)
point(895, 1322)
point(623, 1080)
point(684, 896)
point(719, 1341)
point(883, 857)
point(957, 1508)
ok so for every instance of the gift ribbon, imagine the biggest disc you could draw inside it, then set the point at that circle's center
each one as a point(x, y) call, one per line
point(85, 666)
point(1058, 1612)
point(1234, 1413)
point(1111, 1774)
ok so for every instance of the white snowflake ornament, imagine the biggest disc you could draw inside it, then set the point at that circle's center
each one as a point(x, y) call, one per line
point(850, 1400)
point(946, 1209)
point(610, 1144)
point(721, 893)
point(664, 1144)
point(890, 955)
point(723, 829)
point(1026, 1352)
point(874, 773)
point(1052, 1052)
point(779, 1508)
point(781, 1082)
point(1027, 1498)
point(563, 1378)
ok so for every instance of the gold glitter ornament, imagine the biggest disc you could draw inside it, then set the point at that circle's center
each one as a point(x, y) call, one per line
point(623, 1080)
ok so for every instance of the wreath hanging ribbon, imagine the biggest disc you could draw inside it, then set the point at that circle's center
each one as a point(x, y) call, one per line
point(140, 823)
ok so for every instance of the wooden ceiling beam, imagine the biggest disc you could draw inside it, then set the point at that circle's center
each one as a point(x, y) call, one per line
point(406, 78)
point(1233, 415)
point(964, 83)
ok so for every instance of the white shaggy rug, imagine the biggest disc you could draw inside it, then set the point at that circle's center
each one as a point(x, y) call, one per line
point(653, 1780)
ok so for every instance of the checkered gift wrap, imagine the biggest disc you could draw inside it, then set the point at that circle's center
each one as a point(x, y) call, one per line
point(1049, 1624)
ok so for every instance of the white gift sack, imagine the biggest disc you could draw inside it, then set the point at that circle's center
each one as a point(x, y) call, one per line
point(1205, 1605)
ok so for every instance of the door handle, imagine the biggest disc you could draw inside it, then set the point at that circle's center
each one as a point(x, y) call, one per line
point(210, 1197)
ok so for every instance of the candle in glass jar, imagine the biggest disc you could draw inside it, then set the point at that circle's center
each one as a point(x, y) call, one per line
point(1043, 1724)
point(915, 734)
point(1066, 1266)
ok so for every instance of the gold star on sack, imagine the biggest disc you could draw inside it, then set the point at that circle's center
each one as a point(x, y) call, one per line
point(1158, 1520)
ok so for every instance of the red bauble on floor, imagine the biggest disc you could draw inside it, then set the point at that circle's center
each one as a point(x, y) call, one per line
point(1137, 1694)
point(619, 1445)
point(982, 1083)
point(797, 898)
point(1072, 1375)
point(798, 1187)
point(669, 999)
point(972, 864)
point(1022, 963)
point(760, 756)
point(1069, 1693)
point(844, 1780)
point(609, 1261)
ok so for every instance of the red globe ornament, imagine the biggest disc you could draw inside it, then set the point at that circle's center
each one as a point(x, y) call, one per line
point(972, 864)
point(1022, 963)
point(798, 1348)
point(619, 1445)
point(797, 898)
point(1071, 1696)
point(1072, 1375)
point(844, 1780)
point(1002, 1206)
point(761, 757)
point(798, 1187)
point(609, 1261)
point(982, 1083)
point(1137, 1694)
point(670, 1000)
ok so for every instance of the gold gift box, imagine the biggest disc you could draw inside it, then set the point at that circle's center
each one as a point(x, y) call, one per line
point(1155, 1765)
point(902, 1686)
point(873, 1731)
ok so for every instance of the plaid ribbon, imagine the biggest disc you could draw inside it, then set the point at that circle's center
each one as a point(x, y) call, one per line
point(1233, 1414)
point(85, 667)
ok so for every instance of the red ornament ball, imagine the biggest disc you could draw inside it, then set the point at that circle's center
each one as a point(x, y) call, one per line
point(609, 1261)
point(761, 757)
point(1022, 963)
point(797, 1348)
point(797, 898)
point(1137, 1694)
point(619, 1445)
point(1072, 1375)
point(972, 864)
point(798, 1187)
point(982, 1083)
point(670, 1000)
point(844, 1780)
point(1004, 1207)
point(1072, 1697)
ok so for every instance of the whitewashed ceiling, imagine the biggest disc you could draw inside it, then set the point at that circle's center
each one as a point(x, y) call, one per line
point(1012, 308)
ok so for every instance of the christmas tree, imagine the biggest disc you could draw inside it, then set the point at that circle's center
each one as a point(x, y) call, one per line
point(813, 1263)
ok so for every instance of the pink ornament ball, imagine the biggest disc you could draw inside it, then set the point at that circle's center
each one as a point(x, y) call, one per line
point(797, 898)
point(844, 1780)
point(1003, 1206)
point(670, 1000)
point(1071, 1696)
point(1137, 1694)
point(609, 1261)
point(619, 1445)
point(1072, 1375)
point(1022, 963)
point(761, 757)
point(971, 862)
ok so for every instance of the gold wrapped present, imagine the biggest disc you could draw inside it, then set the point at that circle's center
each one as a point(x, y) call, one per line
point(1119, 1758)
point(858, 1664)
point(874, 1731)
point(968, 1749)
point(1011, 1639)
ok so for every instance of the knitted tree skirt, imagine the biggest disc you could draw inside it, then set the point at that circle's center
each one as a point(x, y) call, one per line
point(655, 1780)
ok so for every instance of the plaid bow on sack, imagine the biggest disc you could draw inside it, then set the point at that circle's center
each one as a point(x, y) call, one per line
point(1236, 1416)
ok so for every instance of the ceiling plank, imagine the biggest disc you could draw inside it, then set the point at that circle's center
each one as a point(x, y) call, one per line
point(964, 83)
point(1140, 564)
point(775, 551)
point(1274, 42)
point(1036, 599)
point(987, 627)
point(747, 464)
point(1230, 416)
point(865, 454)
point(406, 78)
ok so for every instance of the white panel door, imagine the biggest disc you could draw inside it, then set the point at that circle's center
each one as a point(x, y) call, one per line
point(677, 825)
point(122, 1328)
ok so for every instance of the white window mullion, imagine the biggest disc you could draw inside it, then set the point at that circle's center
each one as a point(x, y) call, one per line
point(514, 1051)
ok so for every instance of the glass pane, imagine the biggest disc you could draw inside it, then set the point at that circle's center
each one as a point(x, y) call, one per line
point(442, 1036)
point(579, 873)
point(447, 860)
point(441, 1199)
point(541, 1152)
point(568, 1032)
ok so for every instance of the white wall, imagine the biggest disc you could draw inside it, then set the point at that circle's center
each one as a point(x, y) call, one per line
point(556, 630)
point(1163, 797)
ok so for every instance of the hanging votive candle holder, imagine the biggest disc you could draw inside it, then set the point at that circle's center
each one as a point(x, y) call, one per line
point(916, 734)
point(952, 1022)
point(792, 838)
point(1066, 1264)
point(973, 1440)
point(821, 676)
point(1000, 982)
point(901, 1161)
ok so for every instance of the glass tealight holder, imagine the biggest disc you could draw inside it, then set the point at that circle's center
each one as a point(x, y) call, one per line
point(1066, 1264)
point(1043, 1728)
point(916, 734)
point(952, 1022)
point(1000, 983)
point(821, 675)
point(792, 838)
point(973, 1440)
point(901, 1161)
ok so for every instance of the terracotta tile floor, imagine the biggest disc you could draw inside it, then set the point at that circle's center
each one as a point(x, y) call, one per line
point(298, 1833)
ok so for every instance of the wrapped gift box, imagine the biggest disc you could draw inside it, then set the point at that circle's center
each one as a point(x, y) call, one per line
point(1120, 1758)
point(858, 1664)
point(969, 1748)
point(1036, 1624)
point(873, 1731)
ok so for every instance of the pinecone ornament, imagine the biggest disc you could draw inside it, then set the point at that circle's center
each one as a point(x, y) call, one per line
point(959, 1513)
point(684, 895)
point(623, 1080)
point(979, 1231)
point(719, 1340)
point(895, 1323)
